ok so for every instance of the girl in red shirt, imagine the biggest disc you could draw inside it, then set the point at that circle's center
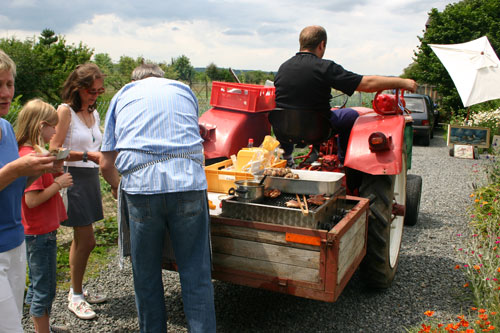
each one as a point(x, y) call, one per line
point(42, 211)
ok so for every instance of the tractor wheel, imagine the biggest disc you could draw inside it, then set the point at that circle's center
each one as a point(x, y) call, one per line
point(385, 230)
point(413, 193)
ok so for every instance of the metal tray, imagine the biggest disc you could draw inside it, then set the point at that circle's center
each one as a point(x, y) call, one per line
point(309, 182)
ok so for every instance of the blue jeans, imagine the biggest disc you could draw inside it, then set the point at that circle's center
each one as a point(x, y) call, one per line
point(342, 121)
point(41, 253)
point(185, 214)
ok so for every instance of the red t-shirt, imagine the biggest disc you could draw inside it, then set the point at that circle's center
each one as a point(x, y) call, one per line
point(45, 217)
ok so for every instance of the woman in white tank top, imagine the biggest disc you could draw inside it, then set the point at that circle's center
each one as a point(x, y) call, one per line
point(78, 130)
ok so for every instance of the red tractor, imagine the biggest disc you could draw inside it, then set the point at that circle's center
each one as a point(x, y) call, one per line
point(376, 163)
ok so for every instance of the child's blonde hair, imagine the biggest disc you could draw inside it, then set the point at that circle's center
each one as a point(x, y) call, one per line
point(30, 121)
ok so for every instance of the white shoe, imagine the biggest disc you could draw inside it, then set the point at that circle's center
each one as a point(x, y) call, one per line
point(89, 297)
point(81, 309)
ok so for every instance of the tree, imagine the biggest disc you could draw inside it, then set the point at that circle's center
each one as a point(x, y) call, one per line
point(212, 71)
point(218, 74)
point(105, 63)
point(113, 78)
point(170, 72)
point(182, 65)
point(43, 66)
point(458, 23)
point(48, 37)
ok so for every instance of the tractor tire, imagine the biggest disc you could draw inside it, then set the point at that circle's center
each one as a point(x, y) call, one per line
point(413, 194)
point(385, 231)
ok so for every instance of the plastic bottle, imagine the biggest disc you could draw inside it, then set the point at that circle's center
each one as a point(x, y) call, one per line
point(250, 143)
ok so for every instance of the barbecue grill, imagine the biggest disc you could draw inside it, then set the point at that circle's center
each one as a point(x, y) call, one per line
point(274, 210)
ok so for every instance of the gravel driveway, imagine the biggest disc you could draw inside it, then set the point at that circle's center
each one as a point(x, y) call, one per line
point(426, 277)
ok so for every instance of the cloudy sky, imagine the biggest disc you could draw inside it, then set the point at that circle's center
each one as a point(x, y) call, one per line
point(365, 36)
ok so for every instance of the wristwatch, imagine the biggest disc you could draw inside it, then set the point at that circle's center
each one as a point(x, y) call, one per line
point(85, 156)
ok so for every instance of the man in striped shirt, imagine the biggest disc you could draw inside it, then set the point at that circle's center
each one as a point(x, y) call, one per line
point(152, 139)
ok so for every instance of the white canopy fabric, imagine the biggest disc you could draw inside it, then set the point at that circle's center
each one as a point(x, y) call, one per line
point(474, 68)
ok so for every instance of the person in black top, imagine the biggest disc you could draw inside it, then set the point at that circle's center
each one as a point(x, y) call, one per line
point(305, 82)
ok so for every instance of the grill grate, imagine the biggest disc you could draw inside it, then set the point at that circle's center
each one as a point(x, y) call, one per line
point(274, 210)
point(281, 201)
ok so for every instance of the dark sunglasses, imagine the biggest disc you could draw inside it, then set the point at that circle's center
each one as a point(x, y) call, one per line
point(99, 91)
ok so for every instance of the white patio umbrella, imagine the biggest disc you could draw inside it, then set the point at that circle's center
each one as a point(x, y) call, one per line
point(474, 68)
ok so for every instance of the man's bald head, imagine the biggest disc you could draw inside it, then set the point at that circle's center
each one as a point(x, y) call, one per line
point(311, 37)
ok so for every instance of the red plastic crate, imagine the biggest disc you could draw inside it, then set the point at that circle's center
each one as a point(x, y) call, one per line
point(242, 97)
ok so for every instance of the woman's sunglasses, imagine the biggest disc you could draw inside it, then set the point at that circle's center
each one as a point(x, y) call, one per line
point(99, 91)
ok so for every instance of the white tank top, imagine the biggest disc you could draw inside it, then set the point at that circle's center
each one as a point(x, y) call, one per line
point(81, 138)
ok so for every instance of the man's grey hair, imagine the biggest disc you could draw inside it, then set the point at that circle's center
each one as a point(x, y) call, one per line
point(6, 63)
point(147, 70)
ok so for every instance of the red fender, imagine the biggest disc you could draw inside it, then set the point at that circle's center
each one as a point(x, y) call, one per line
point(360, 157)
point(227, 131)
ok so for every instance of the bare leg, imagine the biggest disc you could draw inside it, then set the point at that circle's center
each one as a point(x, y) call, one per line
point(41, 323)
point(81, 247)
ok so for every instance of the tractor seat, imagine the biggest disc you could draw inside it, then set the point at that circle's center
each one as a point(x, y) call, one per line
point(299, 126)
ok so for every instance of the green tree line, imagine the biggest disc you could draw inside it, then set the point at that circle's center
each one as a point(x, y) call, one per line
point(44, 63)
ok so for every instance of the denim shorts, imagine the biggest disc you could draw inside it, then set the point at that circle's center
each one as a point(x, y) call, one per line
point(41, 253)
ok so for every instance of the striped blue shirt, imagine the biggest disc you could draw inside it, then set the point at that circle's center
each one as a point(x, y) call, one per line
point(153, 124)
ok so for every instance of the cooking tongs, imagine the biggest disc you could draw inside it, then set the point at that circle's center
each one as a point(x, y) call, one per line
point(305, 209)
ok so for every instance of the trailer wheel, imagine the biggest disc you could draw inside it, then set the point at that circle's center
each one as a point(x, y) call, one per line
point(385, 230)
point(413, 193)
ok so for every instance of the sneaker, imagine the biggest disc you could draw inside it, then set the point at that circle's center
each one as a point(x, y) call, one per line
point(91, 298)
point(59, 329)
point(81, 309)
point(94, 298)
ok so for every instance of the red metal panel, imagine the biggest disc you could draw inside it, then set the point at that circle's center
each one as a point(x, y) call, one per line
point(230, 130)
point(360, 157)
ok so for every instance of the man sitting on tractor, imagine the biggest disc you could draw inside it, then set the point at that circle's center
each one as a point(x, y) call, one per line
point(305, 82)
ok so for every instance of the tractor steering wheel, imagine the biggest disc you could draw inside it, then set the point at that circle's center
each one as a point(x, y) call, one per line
point(346, 98)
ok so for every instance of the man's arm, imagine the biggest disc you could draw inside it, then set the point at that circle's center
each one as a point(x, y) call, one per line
point(30, 165)
point(373, 83)
point(108, 170)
